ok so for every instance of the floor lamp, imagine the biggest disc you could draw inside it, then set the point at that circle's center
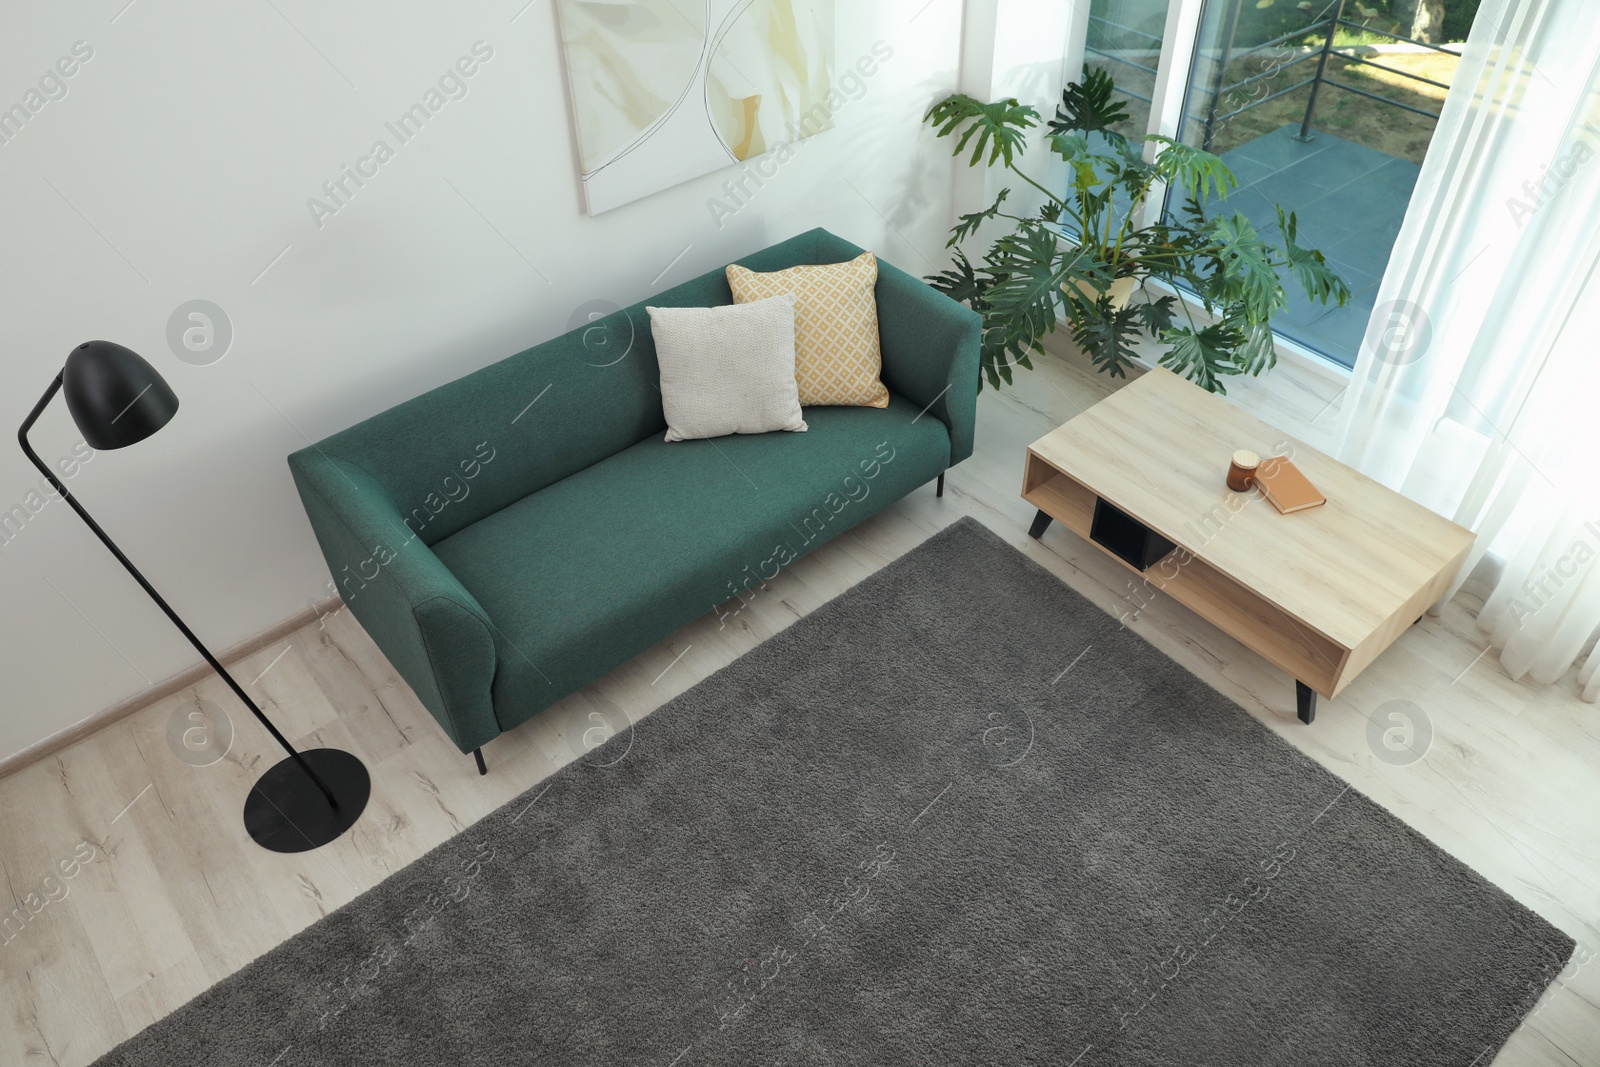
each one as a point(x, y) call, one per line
point(117, 399)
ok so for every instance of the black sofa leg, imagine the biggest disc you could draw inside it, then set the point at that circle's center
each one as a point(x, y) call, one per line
point(477, 754)
point(940, 490)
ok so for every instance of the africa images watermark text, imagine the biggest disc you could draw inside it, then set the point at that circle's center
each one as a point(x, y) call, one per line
point(339, 190)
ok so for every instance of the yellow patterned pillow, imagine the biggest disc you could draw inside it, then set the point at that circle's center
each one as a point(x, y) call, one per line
point(836, 354)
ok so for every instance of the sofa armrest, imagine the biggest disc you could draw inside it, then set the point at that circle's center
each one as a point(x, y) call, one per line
point(431, 628)
point(930, 352)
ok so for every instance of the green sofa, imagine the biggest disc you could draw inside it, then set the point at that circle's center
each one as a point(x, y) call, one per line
point(513, 535)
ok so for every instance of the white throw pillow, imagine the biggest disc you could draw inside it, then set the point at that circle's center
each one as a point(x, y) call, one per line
point(727, 369)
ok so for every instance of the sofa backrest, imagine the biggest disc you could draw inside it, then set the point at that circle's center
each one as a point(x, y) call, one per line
point(470, 447)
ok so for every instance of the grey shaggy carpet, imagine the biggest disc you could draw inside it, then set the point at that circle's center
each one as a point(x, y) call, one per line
point(905, 831)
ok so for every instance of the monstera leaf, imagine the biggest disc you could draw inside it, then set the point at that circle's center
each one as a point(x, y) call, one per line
point(1108, 335)
point(1248, 275)
point(1001, 127)
point(1156, 315)
point(1197, 173)
point(961, 283)
point(1310, 267)
point(1029, 269)
point(1090, 106)
point(1258, 351)
point(969, 223)
point(1202, 355)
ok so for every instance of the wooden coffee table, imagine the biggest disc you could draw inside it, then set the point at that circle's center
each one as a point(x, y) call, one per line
point(1320, 593)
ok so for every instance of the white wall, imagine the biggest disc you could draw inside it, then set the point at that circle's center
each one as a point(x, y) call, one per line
point(1031, 42)
point(1027, 49)
point(178, 166)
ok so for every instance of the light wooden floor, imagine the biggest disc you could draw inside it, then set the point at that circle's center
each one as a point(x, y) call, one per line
point(176, 896)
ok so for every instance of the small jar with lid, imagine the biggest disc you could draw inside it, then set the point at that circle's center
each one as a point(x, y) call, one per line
point(1242, 471)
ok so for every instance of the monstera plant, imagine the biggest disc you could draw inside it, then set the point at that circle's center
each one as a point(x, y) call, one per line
point(1083, 252)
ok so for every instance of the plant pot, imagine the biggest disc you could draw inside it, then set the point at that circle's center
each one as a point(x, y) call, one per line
point(1120, 291)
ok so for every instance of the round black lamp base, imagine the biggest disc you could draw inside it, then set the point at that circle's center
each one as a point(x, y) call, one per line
point(286, 812)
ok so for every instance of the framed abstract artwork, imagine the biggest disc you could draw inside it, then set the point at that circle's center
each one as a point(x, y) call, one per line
point(667, 90)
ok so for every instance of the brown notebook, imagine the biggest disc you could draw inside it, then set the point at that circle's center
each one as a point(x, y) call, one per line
point(1285, 487)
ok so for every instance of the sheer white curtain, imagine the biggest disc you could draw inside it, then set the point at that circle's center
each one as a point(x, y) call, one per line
point(1476, 390)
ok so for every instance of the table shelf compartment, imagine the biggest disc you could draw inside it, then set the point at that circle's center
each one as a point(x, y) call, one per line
point(1284, 641)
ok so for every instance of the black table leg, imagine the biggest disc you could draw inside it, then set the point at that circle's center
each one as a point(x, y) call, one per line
point(1305, 699)
point(1041, 522)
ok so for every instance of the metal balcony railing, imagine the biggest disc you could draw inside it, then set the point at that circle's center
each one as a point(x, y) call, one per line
point(1327, 27)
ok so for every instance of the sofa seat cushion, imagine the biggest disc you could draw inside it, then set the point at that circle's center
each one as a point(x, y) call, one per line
point(612, 559)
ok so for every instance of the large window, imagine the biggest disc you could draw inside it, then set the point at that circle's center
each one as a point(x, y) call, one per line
point(1325, 107)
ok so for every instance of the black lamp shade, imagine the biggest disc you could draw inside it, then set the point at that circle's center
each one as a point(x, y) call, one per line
point(116, 398)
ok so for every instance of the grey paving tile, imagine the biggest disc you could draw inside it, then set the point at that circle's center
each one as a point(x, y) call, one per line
point(1348, 200)
point(1362, 253)
point(1277, 149)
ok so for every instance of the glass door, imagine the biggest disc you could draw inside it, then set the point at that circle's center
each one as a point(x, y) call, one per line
point(1325, 107)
